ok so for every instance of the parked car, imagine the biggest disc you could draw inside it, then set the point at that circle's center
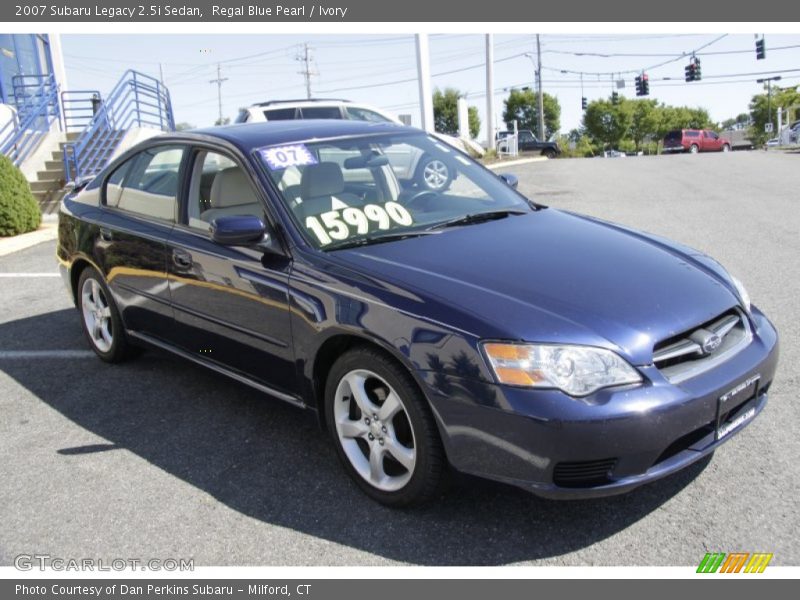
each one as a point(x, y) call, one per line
point(469, 328)
point(528, 142)
point(423, 170)
point(695, 140)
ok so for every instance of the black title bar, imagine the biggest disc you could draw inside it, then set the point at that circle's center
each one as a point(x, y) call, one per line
point(335, 11)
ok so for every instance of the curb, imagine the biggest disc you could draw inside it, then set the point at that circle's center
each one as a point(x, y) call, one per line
point(47, 231)
point(521, 161)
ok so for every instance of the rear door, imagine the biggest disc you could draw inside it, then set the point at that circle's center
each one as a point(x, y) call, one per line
point(231, 303)
point(140, 200)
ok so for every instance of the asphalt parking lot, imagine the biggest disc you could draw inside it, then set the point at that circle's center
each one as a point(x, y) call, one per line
point(157, 458)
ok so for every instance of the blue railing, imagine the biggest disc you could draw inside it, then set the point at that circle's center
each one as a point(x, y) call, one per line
point(137, 100)
point(78, 107)
point(36, 98)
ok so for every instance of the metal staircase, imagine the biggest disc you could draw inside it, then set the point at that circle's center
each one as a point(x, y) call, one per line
point(138, 100)
point(92, 128)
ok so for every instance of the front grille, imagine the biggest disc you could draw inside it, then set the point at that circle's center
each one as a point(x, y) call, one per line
point(684, 355)
point(585, 473)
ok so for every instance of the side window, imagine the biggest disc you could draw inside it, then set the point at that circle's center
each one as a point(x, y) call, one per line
point(364, 114)
point(147, 184)
point(525, 136)
point(280, 114)
point(321, 112)
point(242, 116)
point(219, 187)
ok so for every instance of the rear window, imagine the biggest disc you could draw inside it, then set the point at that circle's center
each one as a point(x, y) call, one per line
point(321, 112)
point(280, 114)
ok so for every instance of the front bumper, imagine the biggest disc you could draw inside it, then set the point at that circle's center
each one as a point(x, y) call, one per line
point(543, 440)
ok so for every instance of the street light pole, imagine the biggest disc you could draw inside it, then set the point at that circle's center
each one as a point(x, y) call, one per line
point(769, 81)
point(539, 81)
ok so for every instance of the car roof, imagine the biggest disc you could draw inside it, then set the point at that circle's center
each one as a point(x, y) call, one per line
point(248, 136)
point(308, 101)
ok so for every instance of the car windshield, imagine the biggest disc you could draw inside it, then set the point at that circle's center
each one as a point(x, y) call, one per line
point(369, 189)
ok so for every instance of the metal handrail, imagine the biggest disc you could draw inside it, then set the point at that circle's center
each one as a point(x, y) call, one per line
point(36, 112)
point(77, 108)
point(137, 99)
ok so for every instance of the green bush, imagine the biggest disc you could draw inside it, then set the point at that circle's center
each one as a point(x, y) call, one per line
point(19, 211)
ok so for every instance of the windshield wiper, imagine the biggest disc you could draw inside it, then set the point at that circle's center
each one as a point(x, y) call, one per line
point(489, 215)
point(376, 238)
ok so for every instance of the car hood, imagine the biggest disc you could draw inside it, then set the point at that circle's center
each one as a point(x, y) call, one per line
point(552, 276)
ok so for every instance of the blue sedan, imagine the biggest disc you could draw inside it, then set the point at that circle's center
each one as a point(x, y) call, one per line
point(465, 328)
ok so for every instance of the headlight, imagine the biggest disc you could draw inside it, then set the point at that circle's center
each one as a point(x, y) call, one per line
point(576, 370)
point(743, 295)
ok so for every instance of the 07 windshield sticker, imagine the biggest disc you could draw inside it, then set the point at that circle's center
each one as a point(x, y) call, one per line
point(281, 157)
point(337, 225)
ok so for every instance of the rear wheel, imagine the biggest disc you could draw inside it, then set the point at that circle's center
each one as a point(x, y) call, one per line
point(433, 174)
point(383, 429)
point(101, 322)
point(694, 149)
point(549, 153)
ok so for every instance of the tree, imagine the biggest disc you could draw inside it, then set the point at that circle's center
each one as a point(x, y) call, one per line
point(760, 108)
point(522, 105)
point(223, 121)
point(183, 126)
point(607, 124)
point(19, 211)
point(644, 121)
point(445, 113)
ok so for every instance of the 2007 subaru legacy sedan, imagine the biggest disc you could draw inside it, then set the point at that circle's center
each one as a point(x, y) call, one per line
point(467, 327)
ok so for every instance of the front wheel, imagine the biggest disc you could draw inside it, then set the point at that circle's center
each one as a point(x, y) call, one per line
point(383, 429)
point(101, 322)
point(726, 148)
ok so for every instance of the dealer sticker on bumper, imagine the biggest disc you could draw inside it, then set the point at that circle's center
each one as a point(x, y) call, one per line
point(726, 428)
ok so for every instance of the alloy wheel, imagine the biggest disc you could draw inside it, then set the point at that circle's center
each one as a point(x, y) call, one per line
point(374, 431)
point(436, 174)
point(97, 315)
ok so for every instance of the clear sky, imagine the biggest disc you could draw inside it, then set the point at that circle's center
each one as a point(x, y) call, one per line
point(381, 69)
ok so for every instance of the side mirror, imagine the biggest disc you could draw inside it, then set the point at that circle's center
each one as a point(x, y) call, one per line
point(238, 230)
point(510, 179)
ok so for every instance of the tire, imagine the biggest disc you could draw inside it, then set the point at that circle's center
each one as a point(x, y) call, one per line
point(394, 454)
point(726, 148)
point(433, 174)
point(694, 149)
point(549, 153)
point(100, 318)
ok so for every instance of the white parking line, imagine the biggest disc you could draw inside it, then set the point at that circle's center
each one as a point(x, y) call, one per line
point(29, 275)
point(28, 354)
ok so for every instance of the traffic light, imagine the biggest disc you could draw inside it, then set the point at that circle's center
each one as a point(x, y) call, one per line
point(692, 70)
point(614, 98)
point(761, 50)
point(584, 103)
point(642, 85)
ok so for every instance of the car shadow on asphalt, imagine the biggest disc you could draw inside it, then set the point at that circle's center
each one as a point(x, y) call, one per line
point(270, 461)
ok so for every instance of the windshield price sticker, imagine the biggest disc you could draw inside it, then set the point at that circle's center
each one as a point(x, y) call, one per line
point(337, 225)
point(282, 157)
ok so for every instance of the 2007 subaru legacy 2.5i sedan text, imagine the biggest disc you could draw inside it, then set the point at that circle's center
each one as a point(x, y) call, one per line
point(466, 328)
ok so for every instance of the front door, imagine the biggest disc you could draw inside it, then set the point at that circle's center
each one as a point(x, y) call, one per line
point(231, 303)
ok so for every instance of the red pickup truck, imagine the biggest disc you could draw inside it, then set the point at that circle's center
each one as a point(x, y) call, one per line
point(694, 141)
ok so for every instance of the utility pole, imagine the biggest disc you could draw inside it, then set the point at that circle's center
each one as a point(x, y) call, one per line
point(769, 81)
point(490, 90)
point(219, 81)
point(539, 81)
point(308, 71)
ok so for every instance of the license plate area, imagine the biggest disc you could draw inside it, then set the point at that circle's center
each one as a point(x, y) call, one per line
point(737, 406)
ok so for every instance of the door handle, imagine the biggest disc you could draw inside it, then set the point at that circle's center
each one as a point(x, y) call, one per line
point(106, 234)
point(182, 259)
